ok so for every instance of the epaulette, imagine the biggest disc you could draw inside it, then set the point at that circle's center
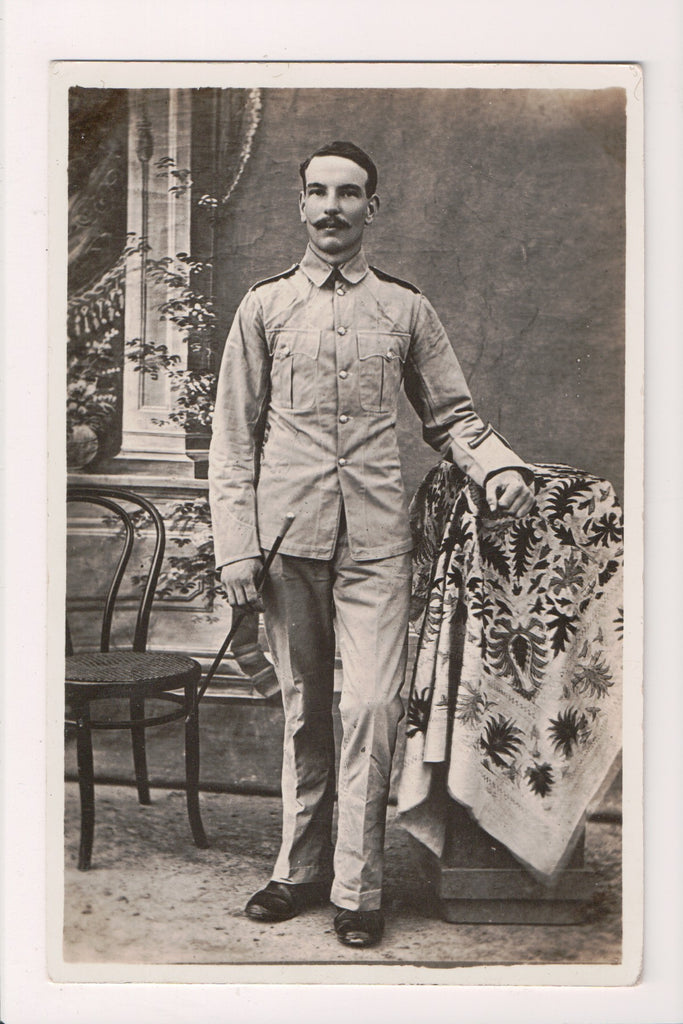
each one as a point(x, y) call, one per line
point(277, 277)
point(394, 280)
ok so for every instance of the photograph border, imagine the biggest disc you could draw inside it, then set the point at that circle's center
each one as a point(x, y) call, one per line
point(391, 76)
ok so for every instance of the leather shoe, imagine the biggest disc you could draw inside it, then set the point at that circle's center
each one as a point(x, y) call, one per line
point(280, 901)
point(359, 928)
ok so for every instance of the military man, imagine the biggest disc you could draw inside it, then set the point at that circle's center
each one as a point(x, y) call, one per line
point(305, 422)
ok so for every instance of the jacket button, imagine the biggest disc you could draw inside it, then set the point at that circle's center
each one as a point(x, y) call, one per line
point(343, 418)
point(285, 351)
point(343, 374)
point(342, 461)
point(341, 330)
point(390, 353)
point(341, 291)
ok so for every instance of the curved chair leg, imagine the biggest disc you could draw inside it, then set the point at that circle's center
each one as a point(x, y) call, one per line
point(192, 771)
point(137, 711)
point(86, 785)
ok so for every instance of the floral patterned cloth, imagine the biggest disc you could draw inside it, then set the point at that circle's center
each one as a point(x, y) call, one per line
point(517, 681)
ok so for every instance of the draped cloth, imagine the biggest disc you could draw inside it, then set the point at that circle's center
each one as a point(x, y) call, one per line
point(516, 692)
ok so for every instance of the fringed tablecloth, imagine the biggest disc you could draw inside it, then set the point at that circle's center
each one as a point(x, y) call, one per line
point(517, 681)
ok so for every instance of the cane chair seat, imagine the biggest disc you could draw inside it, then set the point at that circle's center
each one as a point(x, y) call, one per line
point(96, 675)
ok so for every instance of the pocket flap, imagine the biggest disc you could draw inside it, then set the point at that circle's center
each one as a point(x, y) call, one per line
point(387, 345)
point(286, 342)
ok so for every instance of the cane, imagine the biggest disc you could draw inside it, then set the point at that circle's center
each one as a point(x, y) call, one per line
point(241, 612)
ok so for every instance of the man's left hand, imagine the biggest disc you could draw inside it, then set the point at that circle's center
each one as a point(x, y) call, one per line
point(508, 491)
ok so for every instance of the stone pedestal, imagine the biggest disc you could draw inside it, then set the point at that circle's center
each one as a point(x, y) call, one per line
point(478, 881)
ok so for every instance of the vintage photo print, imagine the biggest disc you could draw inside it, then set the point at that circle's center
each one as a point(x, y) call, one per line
point(348, 359)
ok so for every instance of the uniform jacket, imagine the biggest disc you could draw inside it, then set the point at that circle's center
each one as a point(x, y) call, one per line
point(305, 417)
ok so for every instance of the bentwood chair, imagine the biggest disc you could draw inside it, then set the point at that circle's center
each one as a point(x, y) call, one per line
point(136, 675)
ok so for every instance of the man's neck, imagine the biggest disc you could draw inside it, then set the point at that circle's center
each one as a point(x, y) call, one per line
point(336, 260)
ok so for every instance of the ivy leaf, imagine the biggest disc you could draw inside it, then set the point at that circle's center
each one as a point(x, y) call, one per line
point(564, 534)
point(540, 778)
point(562, 628)
point(474, 583)
point(568, 730)
point(494, 557)
point(454, 577)
point(419, 705)
point(608, 572)
point(564, 497)
point(523, 537)
point(501, 739)
point(536, 581)
point(460, 533)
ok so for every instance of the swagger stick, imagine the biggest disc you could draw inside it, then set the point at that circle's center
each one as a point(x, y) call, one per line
point(241, 612)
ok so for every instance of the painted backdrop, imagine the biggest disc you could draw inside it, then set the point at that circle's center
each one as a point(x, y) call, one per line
point(506, 207)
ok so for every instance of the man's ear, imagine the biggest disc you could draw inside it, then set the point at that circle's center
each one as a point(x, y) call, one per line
point(373, 208)
point(302, 199)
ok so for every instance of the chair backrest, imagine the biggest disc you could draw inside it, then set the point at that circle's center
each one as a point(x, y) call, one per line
point(113, 499)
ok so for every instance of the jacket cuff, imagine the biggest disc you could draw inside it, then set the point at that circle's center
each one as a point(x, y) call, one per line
point(523, 469)
point(238, 558)
point(233, 540)
point(485, 454)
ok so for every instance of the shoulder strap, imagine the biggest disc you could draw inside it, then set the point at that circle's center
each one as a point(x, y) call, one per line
point(277, 277)
point(395, 280)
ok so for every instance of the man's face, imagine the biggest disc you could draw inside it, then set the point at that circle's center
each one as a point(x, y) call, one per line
point(335, 208)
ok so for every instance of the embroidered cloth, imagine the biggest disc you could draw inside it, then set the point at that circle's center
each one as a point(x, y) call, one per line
point(517, 681)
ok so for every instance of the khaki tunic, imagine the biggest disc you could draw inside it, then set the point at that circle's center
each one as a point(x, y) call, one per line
point(305, 418)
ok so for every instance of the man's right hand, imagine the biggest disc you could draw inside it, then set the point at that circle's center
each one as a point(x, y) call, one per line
point(239, 580)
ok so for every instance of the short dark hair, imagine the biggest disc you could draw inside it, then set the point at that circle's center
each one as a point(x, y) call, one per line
point(351, 152)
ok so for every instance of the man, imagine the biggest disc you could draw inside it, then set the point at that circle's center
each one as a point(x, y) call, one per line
point(305, 423)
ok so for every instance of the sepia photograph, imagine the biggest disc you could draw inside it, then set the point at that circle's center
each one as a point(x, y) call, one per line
point(345, 361)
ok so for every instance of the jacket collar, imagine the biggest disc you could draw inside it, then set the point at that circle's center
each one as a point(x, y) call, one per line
point(318, 270)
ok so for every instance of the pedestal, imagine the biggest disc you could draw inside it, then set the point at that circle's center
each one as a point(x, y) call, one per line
point(478, 881)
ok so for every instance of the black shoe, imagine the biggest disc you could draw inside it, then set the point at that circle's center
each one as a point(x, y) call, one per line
point(279, 900)
point(359, 928)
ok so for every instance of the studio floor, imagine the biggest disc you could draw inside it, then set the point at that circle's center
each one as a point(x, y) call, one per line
point(152, 897)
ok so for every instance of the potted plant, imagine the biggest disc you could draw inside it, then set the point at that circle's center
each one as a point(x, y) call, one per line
point(93, 368)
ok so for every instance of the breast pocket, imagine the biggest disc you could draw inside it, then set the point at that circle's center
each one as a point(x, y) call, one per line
point(381, 357)
point(294, 369)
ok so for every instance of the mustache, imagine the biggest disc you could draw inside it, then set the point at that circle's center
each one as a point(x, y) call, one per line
point(331, 222)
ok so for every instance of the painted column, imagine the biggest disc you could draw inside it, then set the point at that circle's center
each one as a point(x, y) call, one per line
point(159, 226)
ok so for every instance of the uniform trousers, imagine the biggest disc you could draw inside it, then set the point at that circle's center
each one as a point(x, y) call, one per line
point(366, 603)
